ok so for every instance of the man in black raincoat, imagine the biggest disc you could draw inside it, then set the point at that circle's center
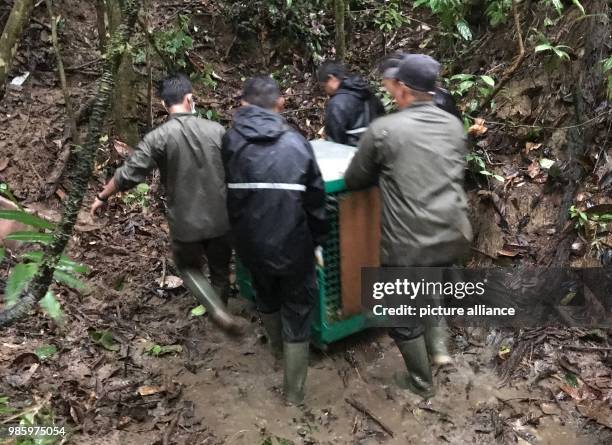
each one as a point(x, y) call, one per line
point(276, 206)
point(351, 107)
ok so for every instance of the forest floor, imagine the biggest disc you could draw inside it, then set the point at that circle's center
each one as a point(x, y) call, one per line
point(209, 389)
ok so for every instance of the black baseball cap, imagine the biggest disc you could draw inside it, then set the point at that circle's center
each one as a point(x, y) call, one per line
point(418, 71)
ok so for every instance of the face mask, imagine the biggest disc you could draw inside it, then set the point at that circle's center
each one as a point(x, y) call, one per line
point(193, 108)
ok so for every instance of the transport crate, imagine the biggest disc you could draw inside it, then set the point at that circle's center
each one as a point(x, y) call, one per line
point(337, 314)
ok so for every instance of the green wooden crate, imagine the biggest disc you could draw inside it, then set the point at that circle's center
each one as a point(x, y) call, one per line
point(329, 324)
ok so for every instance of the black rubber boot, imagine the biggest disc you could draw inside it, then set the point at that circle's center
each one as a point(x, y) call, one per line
point(296, 369)
point(418, 379)
point(273, 326)
point(436, 339)
point(200, 287)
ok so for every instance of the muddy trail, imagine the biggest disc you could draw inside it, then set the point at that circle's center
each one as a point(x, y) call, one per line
point(134, 364)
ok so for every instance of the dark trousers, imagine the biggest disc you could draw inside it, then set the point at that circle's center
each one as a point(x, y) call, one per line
point(417, 329)
point(293, 295)
point(216, 251)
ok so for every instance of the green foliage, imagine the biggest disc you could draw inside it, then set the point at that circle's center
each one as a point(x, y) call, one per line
point(22, 273)
point(477, 87)
point(548, 48)
point(298, 21)
point(198, 311)
point(45, 352)
point(582, 219)
point(5, 408)
point(104, 339)
point(175, 42)
point(389, 17)
point(476, 164)
point(451, 13)
point(498, 11)
point(39, 418)
point(607, 69)
point(158, 350)
point(138, 197)
point(558, 5)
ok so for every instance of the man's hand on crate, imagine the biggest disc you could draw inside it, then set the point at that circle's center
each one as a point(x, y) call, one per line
point(319, 256)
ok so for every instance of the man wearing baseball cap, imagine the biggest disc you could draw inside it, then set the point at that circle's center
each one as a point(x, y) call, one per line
point(389, 68)
point(417, 157)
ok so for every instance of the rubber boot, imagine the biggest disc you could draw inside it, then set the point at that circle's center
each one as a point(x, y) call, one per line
point(273, 327)
point(296, 368)
point(199, 286)
point(418, 379)
point(436, 339)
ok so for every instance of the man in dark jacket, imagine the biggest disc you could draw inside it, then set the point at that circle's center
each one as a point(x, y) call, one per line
point(351, 107)
point(389, 69)
point(187, 151)
point(417, 157)
point(276, 205)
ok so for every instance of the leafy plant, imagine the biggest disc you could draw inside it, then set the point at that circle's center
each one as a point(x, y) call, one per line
point(159, 350)
point(558, 5)
point(478, 165)
point(22, 273)
point(452, 15)
point(558, 50)
point(478, 87)
point(389, 17)
point(138, 197)
point(497, 11)
point(299, 22)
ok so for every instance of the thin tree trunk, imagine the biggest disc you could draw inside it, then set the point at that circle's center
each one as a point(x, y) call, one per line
point(17, 20)
point(340, 34)
point(83, 167)
point(101, 23)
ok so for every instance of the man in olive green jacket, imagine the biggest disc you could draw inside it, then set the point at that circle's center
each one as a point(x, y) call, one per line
point(187, 151)
point(417, 157)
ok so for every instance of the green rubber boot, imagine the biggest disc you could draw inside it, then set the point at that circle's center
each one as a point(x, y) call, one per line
point(296, 368)
point(436, 338)
point(206, 295)
point(418, 379)
point(273, 327)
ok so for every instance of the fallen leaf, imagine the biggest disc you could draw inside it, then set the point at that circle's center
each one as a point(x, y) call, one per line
point(546, 163)
point(504, 352)
point(4, 163)
point(150, 390)
point(45, 351)
point(104, 339)
point(550, 408)
point(599, 411)
point(479, 128)
point(534, 169)
point(198, 311)
point(529, 146)
point(508, 253)
point(170, 282)
point(158, 350)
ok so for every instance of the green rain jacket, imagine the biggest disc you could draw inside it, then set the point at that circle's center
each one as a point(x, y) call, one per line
point(187, 151)
point(417, 157)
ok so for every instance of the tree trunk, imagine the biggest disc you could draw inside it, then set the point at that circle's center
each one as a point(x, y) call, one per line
point(125, 106)
point(9, 39)
point(340, 34)
point(83, 167)
point(101, 24)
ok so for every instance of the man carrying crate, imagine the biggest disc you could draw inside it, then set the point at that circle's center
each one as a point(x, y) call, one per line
point(351, 107)
point(417, 157)
point(276, 206)
point(186, 149)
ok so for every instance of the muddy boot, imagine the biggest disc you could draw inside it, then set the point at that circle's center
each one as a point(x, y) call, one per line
point(436, 339)
point(199, 286)
point(418, 379)
point(273, 326)
point(296, 368)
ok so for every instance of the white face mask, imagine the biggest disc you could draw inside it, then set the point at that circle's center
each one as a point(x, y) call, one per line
point(193, 108)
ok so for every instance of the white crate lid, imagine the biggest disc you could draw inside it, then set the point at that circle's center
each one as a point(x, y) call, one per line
point(333, 158)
